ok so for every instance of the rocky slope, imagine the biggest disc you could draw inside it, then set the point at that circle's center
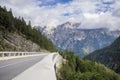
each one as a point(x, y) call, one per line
point(81, 41)
point(16, 42)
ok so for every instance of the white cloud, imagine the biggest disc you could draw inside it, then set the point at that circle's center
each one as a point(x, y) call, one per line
point(90, 16)
point(83, 11)
point(105, 20)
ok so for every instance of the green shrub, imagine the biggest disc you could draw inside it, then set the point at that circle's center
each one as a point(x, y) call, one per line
point(77, 68)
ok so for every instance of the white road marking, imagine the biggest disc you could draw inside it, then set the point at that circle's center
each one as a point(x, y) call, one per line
point(15, 63)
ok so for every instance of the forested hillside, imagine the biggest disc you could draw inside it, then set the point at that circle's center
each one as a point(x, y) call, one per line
point(10, 24)
point(109, 56)
point(76, 68)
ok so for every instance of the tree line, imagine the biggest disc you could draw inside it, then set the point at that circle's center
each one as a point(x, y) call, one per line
point(9, 23)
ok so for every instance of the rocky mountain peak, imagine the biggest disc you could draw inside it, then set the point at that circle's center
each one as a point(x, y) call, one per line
point(70, 25)
point(81, 41)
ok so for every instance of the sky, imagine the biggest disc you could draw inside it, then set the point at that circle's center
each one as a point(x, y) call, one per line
point(50, 13)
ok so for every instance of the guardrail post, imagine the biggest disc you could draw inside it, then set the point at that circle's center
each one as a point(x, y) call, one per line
point(22, 54)
point(8, 54)
point(2, 54)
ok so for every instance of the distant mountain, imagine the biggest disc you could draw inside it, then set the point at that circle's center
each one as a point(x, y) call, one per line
point(81, 41)
point(109, 56)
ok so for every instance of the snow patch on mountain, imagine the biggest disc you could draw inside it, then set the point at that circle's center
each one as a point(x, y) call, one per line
point(81, 41)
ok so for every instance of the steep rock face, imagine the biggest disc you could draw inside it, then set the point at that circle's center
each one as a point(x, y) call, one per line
point(81, 41)
point(16, 42)
point(109, 56)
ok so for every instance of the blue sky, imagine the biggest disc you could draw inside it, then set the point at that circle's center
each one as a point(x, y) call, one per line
point(50, 13)
point(102, 6)
point(108, 1)
point(53, 2)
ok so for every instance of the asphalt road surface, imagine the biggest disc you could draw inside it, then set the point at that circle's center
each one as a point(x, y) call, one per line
point(11, 68)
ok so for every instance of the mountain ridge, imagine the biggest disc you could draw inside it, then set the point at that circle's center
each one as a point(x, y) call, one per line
point(79, 40)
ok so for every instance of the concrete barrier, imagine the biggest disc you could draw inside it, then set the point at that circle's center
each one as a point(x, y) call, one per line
point(12, 55)
point(43, 70)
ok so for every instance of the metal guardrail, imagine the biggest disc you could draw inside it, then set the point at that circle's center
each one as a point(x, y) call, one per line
point(10, 54)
